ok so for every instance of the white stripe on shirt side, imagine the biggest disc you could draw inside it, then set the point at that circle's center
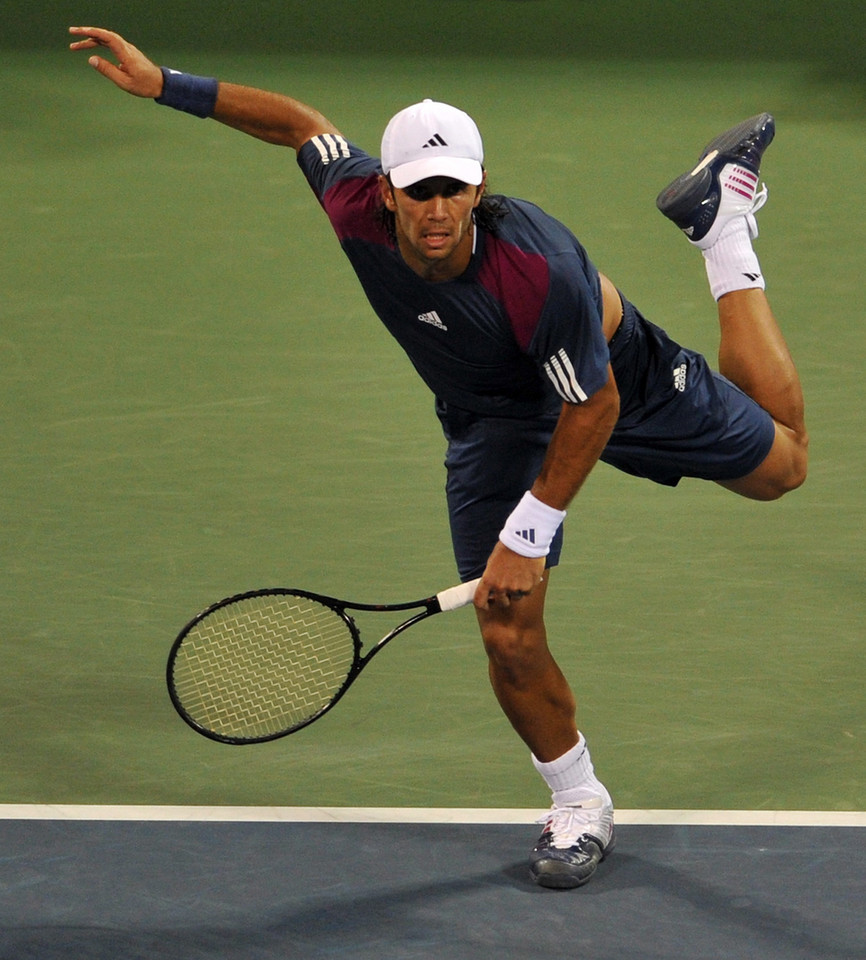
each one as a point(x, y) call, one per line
point(561, 372)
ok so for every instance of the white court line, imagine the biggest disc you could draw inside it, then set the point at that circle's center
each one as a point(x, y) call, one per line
point(762, 818)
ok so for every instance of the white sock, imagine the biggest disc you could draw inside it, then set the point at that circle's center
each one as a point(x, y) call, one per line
point(571, 777)
point(731, 262)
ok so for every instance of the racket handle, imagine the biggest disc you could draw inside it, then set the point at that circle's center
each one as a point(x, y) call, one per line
point(455, 597)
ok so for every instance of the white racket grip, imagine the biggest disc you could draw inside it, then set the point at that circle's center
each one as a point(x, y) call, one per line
point(456, 597)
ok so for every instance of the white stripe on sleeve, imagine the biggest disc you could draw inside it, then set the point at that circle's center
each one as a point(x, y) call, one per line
point(561, 372)
point(323, 153)
point(331, 147)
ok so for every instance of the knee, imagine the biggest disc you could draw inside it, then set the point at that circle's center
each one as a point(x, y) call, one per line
point(512, 649)
point(783, 471)
point(775, 487)
point(797, 477)
point(797, 468)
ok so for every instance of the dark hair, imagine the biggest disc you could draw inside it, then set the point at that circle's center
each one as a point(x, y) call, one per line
point(490, 210)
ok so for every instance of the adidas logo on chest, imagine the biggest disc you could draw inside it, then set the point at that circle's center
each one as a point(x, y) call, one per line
point(433, 319)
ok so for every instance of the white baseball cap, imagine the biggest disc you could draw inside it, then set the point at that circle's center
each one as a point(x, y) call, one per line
point(432, 139)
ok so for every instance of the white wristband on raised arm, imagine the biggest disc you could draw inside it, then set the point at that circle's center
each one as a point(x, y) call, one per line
point(531, 527)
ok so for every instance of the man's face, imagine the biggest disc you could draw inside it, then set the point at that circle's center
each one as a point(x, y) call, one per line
point(433, 219)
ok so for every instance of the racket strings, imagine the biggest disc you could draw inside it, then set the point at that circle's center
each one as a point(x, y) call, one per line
point(262, 665)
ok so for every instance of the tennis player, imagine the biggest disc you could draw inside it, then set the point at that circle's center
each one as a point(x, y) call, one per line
point(540, 367)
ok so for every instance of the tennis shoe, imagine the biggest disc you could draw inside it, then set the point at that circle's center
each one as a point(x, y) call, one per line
point(723, 185)
point(575, 839)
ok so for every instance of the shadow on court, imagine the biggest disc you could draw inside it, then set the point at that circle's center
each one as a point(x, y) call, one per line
point(190, 891)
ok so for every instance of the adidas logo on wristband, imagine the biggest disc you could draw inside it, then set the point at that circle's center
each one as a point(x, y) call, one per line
point(531, 527)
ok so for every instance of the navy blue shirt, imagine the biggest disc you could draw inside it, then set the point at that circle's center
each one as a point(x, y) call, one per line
point(516, 334)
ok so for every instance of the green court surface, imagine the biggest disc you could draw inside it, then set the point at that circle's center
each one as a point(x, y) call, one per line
point(197, 400)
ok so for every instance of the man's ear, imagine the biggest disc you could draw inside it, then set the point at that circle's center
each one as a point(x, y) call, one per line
point(387, 192)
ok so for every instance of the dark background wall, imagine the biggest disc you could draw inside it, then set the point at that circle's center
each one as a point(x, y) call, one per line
point(830, 35)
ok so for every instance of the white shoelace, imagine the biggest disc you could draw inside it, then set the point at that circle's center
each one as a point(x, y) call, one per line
point(568, 824)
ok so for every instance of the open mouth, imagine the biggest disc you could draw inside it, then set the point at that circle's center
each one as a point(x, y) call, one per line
point(436, 238)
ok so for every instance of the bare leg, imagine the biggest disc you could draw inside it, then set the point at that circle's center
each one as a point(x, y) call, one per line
point(579, 829)
point(753, 355)
point(714, 204)
point(530, 687)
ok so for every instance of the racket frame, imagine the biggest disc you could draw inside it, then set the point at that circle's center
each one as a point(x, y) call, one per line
point(450, 599)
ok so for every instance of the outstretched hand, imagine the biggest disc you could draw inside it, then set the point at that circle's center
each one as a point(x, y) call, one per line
point(133, 72)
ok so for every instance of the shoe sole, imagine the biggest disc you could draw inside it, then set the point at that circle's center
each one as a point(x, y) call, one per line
point(725, 143)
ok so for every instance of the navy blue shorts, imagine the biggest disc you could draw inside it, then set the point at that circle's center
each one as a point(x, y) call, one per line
point(678, 418)
point(491, 463)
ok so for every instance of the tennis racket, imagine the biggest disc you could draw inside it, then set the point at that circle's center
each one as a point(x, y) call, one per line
point(264, 664)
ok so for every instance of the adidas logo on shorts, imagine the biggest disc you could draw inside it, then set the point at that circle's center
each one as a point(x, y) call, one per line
point(680, 374)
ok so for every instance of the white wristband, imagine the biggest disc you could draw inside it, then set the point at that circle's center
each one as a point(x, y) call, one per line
point(531, 527)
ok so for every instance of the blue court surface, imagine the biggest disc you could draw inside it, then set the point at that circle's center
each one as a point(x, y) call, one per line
point(186, 889)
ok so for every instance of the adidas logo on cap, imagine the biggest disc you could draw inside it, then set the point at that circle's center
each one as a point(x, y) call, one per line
point(432, 139)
